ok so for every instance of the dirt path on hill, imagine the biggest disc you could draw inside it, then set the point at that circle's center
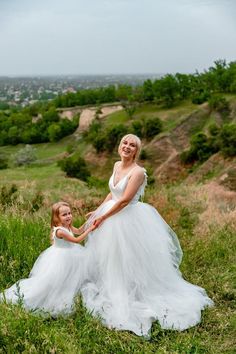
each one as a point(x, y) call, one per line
point(87, 115)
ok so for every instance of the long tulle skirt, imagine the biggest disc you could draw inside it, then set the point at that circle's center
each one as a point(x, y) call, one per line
point(54, 281)
point(133, 279)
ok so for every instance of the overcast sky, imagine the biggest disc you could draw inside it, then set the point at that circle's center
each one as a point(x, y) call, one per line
point(114, 36)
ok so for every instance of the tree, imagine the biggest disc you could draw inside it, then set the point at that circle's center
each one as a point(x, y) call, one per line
point(228, 139)
point(3, 161)
point(75, 166)
point(54, 132)
point(148, 93)
point(25, 156)
point(152, 127)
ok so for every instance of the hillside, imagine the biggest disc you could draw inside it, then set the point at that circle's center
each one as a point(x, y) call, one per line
point(197, 199)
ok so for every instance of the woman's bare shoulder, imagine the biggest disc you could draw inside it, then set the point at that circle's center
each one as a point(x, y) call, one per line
point(138, 171)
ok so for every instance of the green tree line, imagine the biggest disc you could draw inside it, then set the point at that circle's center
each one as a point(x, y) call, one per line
point(41, 122)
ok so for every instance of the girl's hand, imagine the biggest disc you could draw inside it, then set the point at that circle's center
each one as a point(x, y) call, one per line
point(92, 227)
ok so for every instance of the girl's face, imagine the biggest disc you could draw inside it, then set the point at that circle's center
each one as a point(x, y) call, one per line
point(128, 148)
point(65, 216)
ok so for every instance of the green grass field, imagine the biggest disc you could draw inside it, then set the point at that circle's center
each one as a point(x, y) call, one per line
point(204, 223)
point(208, 261)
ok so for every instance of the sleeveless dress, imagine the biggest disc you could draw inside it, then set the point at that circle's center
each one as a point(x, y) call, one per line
point(133, 259)
point(54, 280)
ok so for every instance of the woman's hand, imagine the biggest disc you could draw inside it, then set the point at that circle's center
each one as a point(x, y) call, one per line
point(97, 222)
point(89, 214)
point(91, 228)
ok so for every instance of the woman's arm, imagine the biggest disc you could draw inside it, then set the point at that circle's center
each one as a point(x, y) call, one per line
point(109, 195)
point(63, 234)
point(133, 185)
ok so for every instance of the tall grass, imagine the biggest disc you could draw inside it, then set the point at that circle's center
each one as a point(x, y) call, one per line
point(208, 262)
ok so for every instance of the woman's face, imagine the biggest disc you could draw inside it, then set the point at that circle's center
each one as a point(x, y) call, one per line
point(128, 148)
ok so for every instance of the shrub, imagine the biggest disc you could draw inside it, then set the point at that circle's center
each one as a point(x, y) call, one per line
point(93, 131)
point(7, 195)
point(3, 162)
point(113, 136)
point(37, 202)
point(228, 139)
point(200, 149)
point(219, 104)
point(25, 156)
point(143, 155)
point(75, 166)
point(137, 127)
point(200, 97)
point(100, 143)
point(152, 127)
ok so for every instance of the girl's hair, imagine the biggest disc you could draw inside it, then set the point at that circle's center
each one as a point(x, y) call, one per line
point(55, 220)
point(137, 142)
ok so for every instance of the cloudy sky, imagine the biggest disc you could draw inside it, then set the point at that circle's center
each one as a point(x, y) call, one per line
point(47, 37)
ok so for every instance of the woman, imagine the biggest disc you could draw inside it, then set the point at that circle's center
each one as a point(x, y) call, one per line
point(134, 258)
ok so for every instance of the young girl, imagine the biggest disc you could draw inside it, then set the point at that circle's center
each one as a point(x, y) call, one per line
point(58, 272)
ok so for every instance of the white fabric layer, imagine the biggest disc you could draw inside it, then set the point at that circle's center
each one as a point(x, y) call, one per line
point(54, 280)
point(133, 260)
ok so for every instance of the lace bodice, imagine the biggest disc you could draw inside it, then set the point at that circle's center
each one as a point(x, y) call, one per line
point(118, 189)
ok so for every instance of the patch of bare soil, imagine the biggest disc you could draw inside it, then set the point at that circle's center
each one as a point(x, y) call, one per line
point(106, 110)
point(171, 170)
point(86, 117)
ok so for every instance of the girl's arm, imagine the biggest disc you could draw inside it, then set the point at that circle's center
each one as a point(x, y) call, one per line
point(133, 185)
point(76, 230)
point(63, 234)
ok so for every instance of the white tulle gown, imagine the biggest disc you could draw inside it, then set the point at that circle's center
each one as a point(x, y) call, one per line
point(133, 260)
point(54, 280)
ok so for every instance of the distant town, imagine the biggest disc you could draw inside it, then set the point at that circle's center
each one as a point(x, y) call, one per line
point(23, 91)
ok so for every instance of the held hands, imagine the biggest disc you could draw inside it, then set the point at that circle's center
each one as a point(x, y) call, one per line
point(91, 228)
point(97, 222)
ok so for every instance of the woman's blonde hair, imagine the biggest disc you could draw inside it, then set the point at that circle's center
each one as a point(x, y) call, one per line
point(55, 220)
point(137, 142)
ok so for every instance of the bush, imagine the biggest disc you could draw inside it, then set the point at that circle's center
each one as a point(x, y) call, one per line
point(100, 143)
point(143, 155)
point(113, 136)
point(200, 149)
point(75, 166)
point(152, 127)
point(228, 139)
point(137, 127)
point(200, 97)
point(8, 195)
point(25, 156)
point(3, 162)
point(219, 104)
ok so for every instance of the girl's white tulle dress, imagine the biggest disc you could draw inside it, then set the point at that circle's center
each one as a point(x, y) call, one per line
point(133, 260)
point(54, 280)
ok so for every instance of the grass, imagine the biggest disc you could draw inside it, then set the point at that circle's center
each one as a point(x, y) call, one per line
point(208, 262)
point(119, 117)
point(206, 232)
